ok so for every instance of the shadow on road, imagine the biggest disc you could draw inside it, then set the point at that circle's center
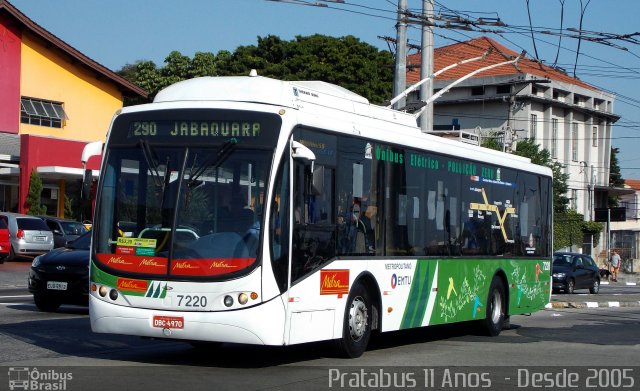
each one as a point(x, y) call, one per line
point(73, 337)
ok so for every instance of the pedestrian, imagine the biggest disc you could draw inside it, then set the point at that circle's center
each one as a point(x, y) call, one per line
point(615, 265)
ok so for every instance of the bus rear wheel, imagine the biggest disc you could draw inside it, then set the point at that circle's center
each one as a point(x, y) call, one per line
point(496, 308)
point(356, 328)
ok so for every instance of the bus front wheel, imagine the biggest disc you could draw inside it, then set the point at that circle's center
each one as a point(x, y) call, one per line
point(356, 328)
point(496, 308)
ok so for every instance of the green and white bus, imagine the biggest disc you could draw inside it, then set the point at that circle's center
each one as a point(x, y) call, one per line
point(258, 211)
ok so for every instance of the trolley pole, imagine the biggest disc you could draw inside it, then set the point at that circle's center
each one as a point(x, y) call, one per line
point(400, 77)
point(426, 64)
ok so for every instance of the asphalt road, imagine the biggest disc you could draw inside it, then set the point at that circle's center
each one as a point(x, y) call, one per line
point(564, 343)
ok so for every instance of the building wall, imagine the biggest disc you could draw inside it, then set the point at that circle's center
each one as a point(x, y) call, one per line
point(9, 76)
point(88, 101)
point(552, 101)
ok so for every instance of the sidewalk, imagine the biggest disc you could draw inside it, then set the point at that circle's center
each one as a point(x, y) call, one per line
point(603, 300)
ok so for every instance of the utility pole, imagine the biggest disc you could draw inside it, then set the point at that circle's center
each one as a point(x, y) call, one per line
point(426, 64)
point(400, 77)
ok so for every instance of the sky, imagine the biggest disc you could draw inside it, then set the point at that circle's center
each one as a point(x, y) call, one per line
point(119, 32)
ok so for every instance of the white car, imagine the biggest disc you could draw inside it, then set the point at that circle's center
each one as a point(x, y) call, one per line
point(28, 235)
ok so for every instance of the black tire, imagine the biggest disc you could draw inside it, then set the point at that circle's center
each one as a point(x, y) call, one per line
point(595, 288)
point(12, 254)
point(356, 328)
point(495, 308)
point(571, 286)
point(46, 304)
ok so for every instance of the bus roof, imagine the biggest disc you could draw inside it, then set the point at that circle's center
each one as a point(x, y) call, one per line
point(324, 100)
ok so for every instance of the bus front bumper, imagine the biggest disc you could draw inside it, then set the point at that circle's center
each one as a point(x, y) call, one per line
point(259, 325)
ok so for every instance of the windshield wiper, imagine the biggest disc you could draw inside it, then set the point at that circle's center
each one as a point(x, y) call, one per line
point(152, 163)
point(214, 161)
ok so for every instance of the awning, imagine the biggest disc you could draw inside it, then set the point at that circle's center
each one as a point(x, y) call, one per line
point(60, 172)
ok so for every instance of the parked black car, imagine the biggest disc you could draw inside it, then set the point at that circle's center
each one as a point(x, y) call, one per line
point(63, 230)
point(62, 275)
point(573, 271)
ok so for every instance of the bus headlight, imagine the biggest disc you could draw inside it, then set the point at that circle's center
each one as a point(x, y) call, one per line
point(113, 294)
point(103, 291)
point(228, 301)
point(243, 298)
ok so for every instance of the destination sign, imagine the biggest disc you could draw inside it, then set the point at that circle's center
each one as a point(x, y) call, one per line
point(205, 127)
point(187, 129)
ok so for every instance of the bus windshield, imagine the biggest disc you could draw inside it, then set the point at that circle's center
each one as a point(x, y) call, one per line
point(182, 208)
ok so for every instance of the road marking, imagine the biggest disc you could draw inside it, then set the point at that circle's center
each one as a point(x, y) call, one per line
point(631, 283)
point(614, 304)
point(13, 297)
point(592, 304)
point(17, 304)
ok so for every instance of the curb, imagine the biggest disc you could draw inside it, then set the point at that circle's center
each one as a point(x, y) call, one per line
point(593, 304)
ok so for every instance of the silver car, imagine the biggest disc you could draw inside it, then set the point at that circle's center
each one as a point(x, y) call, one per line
point(29, 235)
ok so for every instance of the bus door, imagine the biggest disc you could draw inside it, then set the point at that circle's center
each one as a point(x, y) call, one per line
point(312, 247)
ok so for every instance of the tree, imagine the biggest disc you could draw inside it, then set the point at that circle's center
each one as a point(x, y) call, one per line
point(345, 61)
point(530, 149)
point(615, 177)
point(34, 196)
point(568, 225)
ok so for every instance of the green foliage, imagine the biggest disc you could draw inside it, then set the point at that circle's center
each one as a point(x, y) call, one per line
point(529, 148)
point(567, 229)
point(491, 142)
point(69, 210)
point(615, 177)
point(345, 61)
point(34, 195)
point(592, 229)
point(570, 229)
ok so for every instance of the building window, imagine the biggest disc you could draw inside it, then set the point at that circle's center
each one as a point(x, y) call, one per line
point(477, 91)
point(41, 112)
point(533, 129)
point(594, 136)
point(574, 142)
point(503, 89)
point(554, 137)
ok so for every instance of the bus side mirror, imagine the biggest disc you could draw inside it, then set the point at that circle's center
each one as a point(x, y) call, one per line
point(89, 150)
point(86, 184)
point(301, 152)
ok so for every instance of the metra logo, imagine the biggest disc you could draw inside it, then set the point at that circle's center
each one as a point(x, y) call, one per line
point(221, 265)
point(184, 265)
point(150, 262)
point(399, 280)
point(334, 282)
point(118, 260)
point(127, 284)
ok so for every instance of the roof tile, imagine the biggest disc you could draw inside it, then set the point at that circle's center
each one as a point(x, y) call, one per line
point(452, 54)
